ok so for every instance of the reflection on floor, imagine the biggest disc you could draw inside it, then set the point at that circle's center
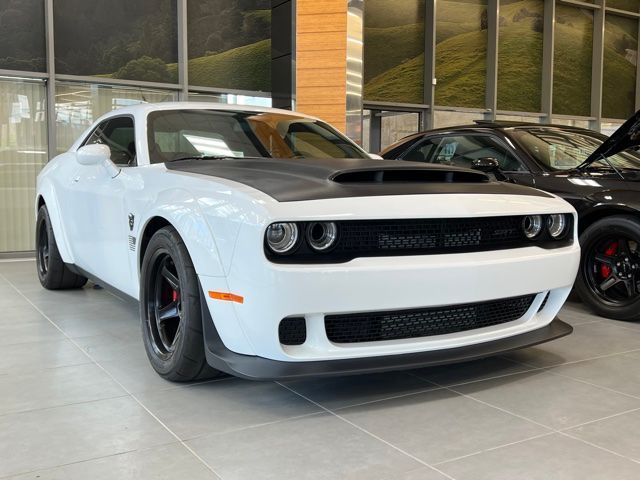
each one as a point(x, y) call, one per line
point(78, 400)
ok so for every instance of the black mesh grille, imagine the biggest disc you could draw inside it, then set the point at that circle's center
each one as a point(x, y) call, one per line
point(372, 238)
point(431, 234)
point(292, 331)
point(424, 322)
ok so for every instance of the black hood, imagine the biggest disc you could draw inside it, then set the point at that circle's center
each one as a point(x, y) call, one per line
point(289, 180)
point(627, 136)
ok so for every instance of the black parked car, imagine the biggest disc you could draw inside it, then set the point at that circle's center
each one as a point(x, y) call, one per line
point(598, 175)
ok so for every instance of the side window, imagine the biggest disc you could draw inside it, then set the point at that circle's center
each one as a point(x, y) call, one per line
point(117, 134)
point(421, 151)
point(462, 150)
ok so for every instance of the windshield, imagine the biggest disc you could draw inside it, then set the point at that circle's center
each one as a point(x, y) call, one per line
point(174, 134)
point(560, 149)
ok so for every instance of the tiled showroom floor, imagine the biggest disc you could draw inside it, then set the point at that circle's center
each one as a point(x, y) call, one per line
point(78, 400)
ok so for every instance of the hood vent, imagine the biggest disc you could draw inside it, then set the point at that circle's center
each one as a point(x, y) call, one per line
point(405, 175)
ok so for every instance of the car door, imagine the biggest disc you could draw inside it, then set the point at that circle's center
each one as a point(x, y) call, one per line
point(99, 200)
point(462, 149)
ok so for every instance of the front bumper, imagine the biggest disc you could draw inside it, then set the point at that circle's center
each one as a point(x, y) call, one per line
point(274, 292)
point(259, 368)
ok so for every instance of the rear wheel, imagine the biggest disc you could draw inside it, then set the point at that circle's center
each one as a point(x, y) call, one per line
point(609, 277)
point(52, 271)
point(170, 311)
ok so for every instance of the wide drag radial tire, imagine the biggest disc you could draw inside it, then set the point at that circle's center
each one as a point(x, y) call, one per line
point(52, 272)
point(170, 313)
point(609, 276)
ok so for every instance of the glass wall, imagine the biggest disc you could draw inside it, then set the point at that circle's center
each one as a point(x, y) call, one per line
point(450, 118)
point(620, 60)
point(78, 105)
point(133, 40)
point(230, 98)
point(461, 53)
point(573, 61)
point(230, 44)
point(531, 81)
point(22, 40)
point(629, 5)
point(520, 50)
point(394, 50)
point(23, 152)
point(396, 125)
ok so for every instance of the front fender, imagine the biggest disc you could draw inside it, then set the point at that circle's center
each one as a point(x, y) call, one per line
point(46, 190)
point(622, 199)
point(209, 251)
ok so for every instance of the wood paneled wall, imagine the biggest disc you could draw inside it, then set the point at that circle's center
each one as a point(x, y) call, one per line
point(321, 56)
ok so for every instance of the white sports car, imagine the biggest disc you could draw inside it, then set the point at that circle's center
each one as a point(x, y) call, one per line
point(265, 244)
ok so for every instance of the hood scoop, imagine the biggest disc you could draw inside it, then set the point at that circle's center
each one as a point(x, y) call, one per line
point(408, 175)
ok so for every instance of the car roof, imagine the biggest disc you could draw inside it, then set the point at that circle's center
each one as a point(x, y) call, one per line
point(141, 110)
point(482, 125)
point(146, 108)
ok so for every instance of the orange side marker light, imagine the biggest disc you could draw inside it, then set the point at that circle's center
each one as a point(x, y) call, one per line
point(229, 297)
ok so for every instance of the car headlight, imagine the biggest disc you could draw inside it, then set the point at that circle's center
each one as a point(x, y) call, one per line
point(557, 225)
point(532, 226)
point(322, 235)
point(282, 237)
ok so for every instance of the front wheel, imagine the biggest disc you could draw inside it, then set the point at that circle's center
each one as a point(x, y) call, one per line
point(170, 313)
point(53, 273)
point(609, 276)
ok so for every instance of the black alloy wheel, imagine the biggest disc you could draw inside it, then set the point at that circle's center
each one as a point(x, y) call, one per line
point(609, 277)
point(53, 273)
point(164, 306)
point(612, 269)
point(170, 310)
point(42, 248)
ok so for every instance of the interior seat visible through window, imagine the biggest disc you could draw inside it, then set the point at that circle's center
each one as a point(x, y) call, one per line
point(462, 150)
point(118, 134)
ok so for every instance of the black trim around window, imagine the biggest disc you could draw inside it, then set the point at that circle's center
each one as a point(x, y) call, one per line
point(134, 161)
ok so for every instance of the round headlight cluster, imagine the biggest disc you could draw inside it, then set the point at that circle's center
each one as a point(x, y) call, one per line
point(282, 237)
point(532, 226)
point(322, 235)
point(557, 225)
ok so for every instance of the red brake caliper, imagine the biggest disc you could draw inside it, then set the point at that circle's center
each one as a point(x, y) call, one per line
point(174, 295)
point(605, 270)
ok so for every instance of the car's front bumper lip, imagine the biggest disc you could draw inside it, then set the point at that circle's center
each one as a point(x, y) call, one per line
point(260, 368)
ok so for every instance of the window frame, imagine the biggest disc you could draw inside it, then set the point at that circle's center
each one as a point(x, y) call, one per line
point(496, 138)
point(134, 162)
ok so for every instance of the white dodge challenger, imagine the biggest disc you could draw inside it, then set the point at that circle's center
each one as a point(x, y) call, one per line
point(265, 244)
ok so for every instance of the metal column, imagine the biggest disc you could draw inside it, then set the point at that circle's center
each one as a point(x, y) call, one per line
point(51, 82)
point(183, 51)
point(547, 59)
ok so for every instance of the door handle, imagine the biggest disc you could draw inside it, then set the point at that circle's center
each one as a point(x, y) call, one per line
point(76, 179)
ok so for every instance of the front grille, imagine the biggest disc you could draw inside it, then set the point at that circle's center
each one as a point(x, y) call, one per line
point(292, 331)
point(376, 238)
point(429, 234)
point(424, 322)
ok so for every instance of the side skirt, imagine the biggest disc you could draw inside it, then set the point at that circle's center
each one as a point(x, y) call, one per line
point(97, 281)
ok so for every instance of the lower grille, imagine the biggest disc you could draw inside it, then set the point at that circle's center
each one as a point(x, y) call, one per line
point(292, 331)
point(424, 322)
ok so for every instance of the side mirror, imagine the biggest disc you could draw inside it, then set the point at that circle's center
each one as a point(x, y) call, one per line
point(93, 154)
point(486, 165)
